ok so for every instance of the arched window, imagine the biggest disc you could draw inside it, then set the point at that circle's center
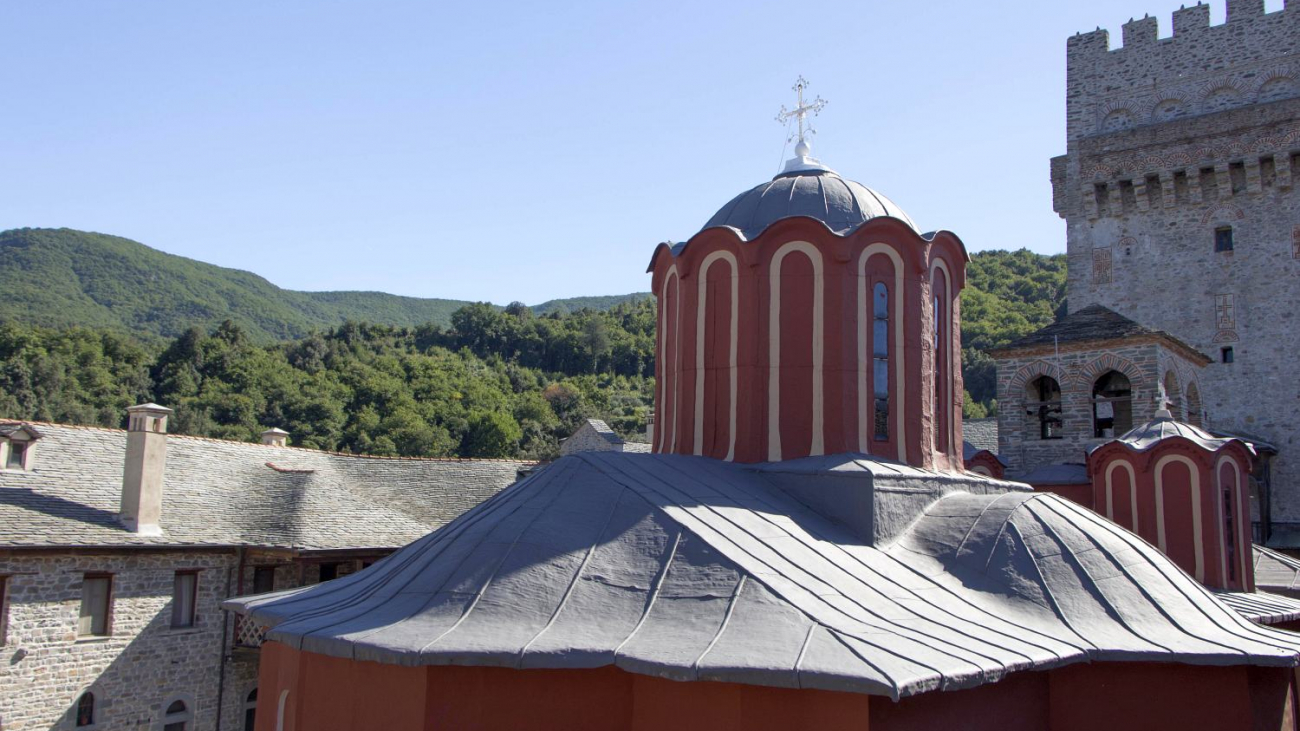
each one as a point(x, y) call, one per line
point(1230, 530)
point(86, 710)
point(1173, 395)
point(1112, 405)
point(880, 359)
point(942, 358)
point(1194, 415)
point(250, 710)
point(1044, 402)
point(177, 716)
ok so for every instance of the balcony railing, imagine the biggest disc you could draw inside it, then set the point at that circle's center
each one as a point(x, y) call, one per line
point(248, 633)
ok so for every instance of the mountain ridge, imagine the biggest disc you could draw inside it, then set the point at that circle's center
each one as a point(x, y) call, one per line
point(64, 277)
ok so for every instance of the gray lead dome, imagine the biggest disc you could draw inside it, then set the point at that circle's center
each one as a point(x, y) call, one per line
point(841, 204)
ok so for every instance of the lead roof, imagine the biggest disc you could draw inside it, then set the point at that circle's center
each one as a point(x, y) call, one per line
point(695, 569)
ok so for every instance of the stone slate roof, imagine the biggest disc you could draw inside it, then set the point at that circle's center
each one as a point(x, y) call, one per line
point(1089, 324)
point(696, 569)
point(981, 433)
point(601, 428)
point(234, 493)
point(1057, 474)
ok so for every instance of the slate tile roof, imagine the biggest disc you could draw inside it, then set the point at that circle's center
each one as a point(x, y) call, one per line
point(1092, 323)
point(696, 569)
point(981, 433)
point(234, 493)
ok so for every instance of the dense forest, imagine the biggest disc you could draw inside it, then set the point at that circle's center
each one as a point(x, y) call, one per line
point(491, 381)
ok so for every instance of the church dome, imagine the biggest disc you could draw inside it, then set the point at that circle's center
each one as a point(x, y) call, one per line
point(806, 188)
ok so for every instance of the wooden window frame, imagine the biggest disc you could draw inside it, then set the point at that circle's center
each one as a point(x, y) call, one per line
point(194, 599)
point(108, 604)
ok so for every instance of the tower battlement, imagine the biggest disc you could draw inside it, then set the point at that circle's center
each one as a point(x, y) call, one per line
point(1199, 69)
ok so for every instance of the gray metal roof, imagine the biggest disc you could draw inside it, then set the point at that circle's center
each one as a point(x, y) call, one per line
point(1276, 571)
point(841, 204)
point(1262, 607)
point(1145, 436)
point(235, 493)
point(695, 569)
point(1057, 474)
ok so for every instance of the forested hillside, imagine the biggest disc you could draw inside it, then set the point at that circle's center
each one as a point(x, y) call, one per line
point(63, 278)
point(491, 381)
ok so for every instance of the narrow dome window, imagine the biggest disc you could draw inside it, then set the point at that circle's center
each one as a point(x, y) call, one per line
point(880, 359)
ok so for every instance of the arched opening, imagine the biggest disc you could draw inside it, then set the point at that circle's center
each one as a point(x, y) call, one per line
point(250, 710)
point(1173, 395)
point(1043, 397)
point(86, 710)
point(177, 717)
point(1195, 417)
point(1112, 405)
point(943, 402)
point(279, 710)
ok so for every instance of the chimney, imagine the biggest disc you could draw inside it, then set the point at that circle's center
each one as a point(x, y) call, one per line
point(142, 475)
point(275, 437)
point(650, 427)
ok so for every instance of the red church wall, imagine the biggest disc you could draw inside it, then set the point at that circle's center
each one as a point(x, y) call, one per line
point(796, 274)
point(331, 693)
point(1177, 486)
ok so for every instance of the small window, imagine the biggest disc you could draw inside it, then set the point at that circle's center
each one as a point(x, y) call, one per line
point(184, 593)
point(17, 456)
point(86, 710)
point(880, 360)
point(1223, 239)
point(96, 596)
point(177, 717)
point(250, 710)
point(1226, 354)
point(263, 579)
point(329, 572)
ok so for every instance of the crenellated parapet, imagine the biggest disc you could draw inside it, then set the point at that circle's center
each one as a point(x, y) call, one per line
point(1199, 69)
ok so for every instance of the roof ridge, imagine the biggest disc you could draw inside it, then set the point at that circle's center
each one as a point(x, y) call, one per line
point(197, 438)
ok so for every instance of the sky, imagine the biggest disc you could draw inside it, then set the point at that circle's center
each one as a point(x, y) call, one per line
point(507, 151)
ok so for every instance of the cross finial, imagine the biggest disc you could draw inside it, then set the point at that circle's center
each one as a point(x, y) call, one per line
point(800, 112)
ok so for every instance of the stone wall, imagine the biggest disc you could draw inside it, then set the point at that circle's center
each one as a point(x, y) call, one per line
point(1148, 365)
point(1169, 140)
point(136, 671)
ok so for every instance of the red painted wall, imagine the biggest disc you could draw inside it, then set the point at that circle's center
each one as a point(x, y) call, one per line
point(330, 693)
point(1213, 476)
point(931, 416)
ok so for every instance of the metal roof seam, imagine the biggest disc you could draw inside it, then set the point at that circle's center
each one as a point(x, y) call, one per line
point(899, 630)
point(1144, 549)
point(726, 619)
point(654, 593)
point(1051, 598)
point(573, 581)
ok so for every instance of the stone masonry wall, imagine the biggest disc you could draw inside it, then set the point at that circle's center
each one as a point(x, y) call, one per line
point(1146, 364)
point(136, 671)
point(1169, 140)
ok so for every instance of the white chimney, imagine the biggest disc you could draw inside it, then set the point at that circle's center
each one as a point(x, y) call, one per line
point(650, 427)
point(142, 475)
point(275, 437)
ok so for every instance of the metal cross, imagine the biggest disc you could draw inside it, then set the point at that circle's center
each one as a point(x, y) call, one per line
point(801, 110)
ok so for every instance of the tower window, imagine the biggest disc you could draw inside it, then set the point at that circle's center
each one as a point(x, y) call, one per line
point(1226, 354)
point(1112, 405)
point(1223, 239)
point(880, 360)
point(1045, 406)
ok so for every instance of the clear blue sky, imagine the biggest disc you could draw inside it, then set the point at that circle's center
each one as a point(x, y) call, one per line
point(503, 151)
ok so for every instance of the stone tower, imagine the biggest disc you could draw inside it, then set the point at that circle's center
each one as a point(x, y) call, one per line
point(1178, 192)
